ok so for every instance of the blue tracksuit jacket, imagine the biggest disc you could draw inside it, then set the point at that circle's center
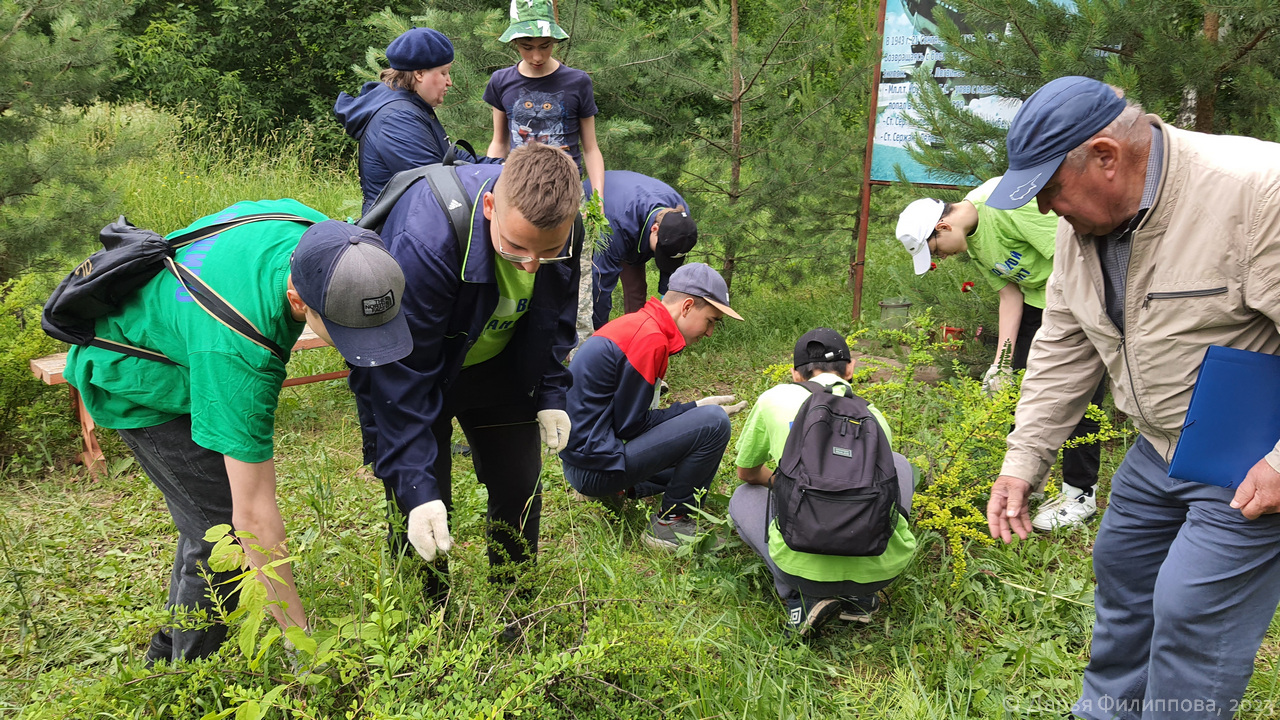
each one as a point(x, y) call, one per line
point(397, 130)
point(450, 293)
point(630, 201)
point(614, 375)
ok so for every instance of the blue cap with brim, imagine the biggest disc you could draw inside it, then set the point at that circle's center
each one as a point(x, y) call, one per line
point(1055, 120)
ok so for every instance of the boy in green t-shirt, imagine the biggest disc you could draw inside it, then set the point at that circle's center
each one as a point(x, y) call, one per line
point(1016, 247)
point(202, 426)
point(815, 588)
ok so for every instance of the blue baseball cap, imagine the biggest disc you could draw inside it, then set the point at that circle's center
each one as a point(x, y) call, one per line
point(1055, 120)
point(346, 275)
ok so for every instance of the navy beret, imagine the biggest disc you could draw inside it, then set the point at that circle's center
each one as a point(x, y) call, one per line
point(420, 49)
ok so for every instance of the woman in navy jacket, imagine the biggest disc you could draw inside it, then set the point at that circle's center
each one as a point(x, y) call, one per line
point(394, 119)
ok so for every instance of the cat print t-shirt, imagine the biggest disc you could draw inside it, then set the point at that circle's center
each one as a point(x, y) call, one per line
point(545, 109)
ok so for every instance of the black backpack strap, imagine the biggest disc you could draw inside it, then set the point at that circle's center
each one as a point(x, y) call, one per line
point(221, 310)
point(130, 350)
point(210, 230)
point(447, 188)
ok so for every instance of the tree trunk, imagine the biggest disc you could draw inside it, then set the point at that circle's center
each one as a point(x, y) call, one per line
point(735, 159)
point(1206, 101)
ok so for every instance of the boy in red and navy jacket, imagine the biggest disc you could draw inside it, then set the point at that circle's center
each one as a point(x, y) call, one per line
point(620, 440)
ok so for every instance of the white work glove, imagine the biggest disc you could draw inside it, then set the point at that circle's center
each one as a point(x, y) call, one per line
point(996, 379)
point(429, 530)
point(554, 427)
point(725, 403)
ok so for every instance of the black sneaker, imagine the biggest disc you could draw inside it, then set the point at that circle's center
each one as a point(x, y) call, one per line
point(859, 609)
point(669, 533)
point(806, 615)
point(160, 649)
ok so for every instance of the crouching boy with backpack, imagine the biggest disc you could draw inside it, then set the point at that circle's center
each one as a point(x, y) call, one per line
point(830, 519)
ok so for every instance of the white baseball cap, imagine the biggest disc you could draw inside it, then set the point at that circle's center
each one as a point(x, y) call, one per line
point(915, 225)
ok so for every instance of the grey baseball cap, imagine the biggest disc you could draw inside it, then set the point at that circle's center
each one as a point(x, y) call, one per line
point(346, 275)
point(700, 280)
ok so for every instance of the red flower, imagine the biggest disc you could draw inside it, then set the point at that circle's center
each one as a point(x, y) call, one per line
point(933, 266)
point(968, 285)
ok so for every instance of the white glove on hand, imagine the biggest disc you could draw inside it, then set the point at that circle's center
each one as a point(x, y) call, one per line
point(554, 427)
point(429, 530)
point(725, 403)
point(995, 379)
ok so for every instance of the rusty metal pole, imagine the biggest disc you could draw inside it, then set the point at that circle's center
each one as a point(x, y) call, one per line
point(864, 218)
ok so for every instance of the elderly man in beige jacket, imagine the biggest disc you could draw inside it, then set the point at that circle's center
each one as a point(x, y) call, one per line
point(1169, 243)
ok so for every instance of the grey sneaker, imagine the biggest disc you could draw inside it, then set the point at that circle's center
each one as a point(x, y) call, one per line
point(669, 533)
point(806, 615)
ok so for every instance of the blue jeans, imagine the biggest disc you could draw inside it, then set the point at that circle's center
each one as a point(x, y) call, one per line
point(194, 482)
point(1186, 589)
point(678, 458)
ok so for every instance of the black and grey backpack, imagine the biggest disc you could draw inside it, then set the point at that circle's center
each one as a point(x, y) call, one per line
point(836, 490)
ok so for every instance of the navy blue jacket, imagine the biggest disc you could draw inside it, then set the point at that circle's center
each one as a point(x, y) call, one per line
point(630, 202)
point(614, 375)
point(450, 293)
point(396, 129)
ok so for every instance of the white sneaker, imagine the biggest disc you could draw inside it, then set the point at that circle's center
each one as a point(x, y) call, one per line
point(1071, 507)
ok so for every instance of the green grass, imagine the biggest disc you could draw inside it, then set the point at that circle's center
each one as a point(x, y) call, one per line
point(612, 628)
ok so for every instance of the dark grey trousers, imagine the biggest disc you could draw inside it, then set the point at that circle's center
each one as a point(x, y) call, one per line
point(747, 509)
point(195, 487)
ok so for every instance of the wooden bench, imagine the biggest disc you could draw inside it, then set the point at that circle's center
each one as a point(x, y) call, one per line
point(49, 370)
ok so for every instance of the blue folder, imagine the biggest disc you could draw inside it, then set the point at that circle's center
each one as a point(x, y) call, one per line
point(1233, 420)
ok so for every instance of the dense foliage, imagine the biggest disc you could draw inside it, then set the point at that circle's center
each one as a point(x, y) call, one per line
point(1211, 67)
point(55, 58)
point(258, 66)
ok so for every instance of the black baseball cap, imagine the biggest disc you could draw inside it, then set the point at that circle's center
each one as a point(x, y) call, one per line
point(1055, 120)
point(346, 275)
point(677, 234)
point(820, 345)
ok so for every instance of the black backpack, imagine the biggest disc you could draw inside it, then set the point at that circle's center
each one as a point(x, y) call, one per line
point(129, 258)
point(835, 490)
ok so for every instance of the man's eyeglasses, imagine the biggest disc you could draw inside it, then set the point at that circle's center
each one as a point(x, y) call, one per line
point(522, 259)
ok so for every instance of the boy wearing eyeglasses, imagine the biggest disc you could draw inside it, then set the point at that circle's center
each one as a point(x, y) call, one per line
point(492, 317)
point(625, 445)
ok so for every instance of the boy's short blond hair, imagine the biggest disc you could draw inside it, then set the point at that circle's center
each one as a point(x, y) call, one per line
point(542, 182)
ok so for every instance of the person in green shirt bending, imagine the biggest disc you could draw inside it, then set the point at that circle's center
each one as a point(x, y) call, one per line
point(202, 426)
point(1016, 248)
point(815, 588)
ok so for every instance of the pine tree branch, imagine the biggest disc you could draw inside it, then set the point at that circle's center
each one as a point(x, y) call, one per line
point(764, 63)
point(22, 19)
point(710, 183)
point(1245, 49)
point(824, 105)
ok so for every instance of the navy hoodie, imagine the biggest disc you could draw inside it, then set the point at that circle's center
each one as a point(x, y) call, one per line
point(450, 293)
point(396, 129)
point(614, 375)
point(630, 203)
